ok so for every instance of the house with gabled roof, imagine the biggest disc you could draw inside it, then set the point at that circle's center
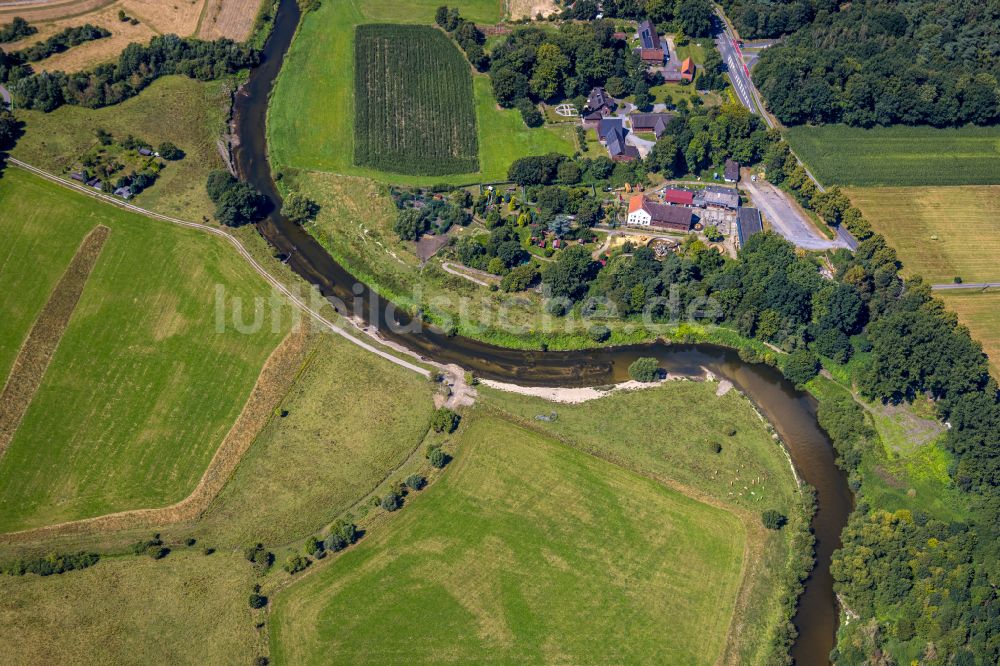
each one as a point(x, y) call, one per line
point(645, 213)
point(651, 122)
point(688, 69)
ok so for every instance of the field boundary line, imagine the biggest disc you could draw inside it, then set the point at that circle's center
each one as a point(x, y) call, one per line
point(240, 248)
point(40, 345)
point(264, 397)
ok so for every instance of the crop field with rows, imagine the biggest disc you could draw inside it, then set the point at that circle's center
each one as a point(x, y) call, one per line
point(414, 110)
point(898, 156)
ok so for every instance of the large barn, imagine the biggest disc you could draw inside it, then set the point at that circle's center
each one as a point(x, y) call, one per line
point(645, 213)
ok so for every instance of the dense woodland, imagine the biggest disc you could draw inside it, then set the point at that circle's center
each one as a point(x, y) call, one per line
point(681, 17)
point(765, 19)
point(136, 68)
point(876, 62)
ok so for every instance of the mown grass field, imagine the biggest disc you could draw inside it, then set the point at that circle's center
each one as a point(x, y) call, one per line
point(664, 433)
point(896, 156)
point(413, 102)
point(965, 221)
point(189, 113)
point(352, 418)
point(185, 609)
point(980, 311)
point(526, 550)
point(311, 117)
point(142, 387)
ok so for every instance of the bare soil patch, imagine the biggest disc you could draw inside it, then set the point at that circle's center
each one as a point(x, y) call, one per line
point(155, 17)
point(29, 367)
point(274, 381)
point(530, 8)
point(228, 18)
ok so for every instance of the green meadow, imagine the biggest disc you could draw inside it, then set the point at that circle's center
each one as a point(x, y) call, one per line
point(185, 609)
point(142, 387)
point(311, 117)
point(898, 155)
point(526, 550)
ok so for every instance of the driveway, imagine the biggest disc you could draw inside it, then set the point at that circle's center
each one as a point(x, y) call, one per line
point(788, 219)
point(5, 95)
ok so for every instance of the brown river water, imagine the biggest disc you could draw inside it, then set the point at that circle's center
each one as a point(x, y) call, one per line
point(792, 412)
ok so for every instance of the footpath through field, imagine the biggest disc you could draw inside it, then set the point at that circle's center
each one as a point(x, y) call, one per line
point(260, 270)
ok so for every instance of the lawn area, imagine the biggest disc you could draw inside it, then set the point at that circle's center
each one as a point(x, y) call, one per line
point(676, 450)
point(184, 609)
point(414, 111)
point(980, 311)
point(526, 550)
point(144, 384)
point(899, 155)
point(965, 220)
point(664, 433)
point(351, 418)
point(189, 113)
point(311, 118)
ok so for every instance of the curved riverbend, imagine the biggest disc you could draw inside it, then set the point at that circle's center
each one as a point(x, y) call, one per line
point(792, 412)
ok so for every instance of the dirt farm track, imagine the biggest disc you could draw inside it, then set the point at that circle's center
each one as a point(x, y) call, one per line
point(208, 19)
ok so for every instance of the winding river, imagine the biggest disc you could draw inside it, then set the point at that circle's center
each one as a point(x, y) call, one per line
point(792, 412)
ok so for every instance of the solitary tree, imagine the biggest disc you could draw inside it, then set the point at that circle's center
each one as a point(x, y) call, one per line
point(644, 369)
point(773, 520)
point(444, 420)
point(299, 208)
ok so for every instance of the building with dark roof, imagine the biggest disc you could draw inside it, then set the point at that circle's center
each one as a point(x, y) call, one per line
point(617, 148)
point(748, 223)
point(648, 38)
point(653, 57)
point(651, 122)
point(607, 125)
point(599, 100)
point(732, 172)
point(715, 196)
point(645, 213)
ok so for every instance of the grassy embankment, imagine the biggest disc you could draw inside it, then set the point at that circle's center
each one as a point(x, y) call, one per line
point(311, 119)
point(189, 113)
point(144, 385)
point(898, 156)
point(495, 562)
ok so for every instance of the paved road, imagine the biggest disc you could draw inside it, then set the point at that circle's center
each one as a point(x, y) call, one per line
point(965, 285)
point(739, 74)
point(5, 95)
point(787, 219)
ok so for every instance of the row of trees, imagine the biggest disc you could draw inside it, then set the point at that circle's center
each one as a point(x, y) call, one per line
point(884, 63)
point(17, 29)
point(688, 17)
point(51, 564)
point(136, 68)
point(61, 41)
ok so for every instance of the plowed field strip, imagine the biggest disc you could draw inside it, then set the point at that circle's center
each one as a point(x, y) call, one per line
point(29, 367)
